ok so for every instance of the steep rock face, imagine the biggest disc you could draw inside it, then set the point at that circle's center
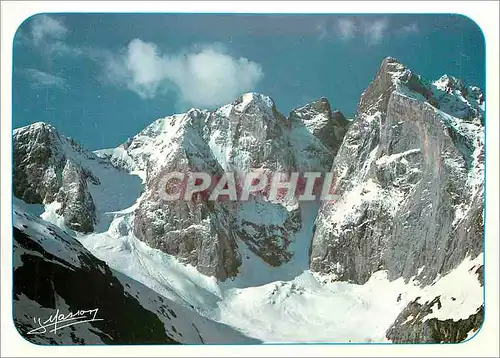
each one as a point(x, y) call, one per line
point(248, 134)
point(194, 231)
point(43, 174)
point(77, 207)
point(410, 178)
point(70, 181)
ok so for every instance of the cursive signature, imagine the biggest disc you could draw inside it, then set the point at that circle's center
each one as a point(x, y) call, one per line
point(59, 320)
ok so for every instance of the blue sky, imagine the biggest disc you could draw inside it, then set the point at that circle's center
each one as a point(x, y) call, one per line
point(101, 78)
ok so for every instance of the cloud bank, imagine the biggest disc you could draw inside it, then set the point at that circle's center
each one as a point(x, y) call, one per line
point(345, 28)
point(409, 29)
point(39, 79)
point(203, 76)
point(206, 76)
point(44, 27)
point(373, 31)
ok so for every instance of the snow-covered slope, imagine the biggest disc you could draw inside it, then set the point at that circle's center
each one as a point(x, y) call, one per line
point(289, 303)
point(69, 278)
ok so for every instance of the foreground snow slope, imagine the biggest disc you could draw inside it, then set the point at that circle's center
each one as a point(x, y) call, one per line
point(70, 278)
point(305, 308)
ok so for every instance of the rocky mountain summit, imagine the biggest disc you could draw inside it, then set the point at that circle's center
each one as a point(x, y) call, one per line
point(408, 169)
point(247, 134)
point(410, 175)
point(44, 173)
point(54, 170)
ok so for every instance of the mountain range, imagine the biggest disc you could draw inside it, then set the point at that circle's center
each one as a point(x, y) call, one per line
point(397, 258)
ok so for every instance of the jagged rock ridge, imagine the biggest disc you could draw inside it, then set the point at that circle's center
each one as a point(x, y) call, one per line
point(43, 174)
point(247, 134)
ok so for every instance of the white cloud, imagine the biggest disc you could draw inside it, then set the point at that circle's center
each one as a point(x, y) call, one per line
point(40, 79)
point(345, 28)
point(323, 32)
point(44, 26)
point(140, 68)
point(64, 49)
point(409, 29)
point(206, 76)
point(371, 30)
point(375, 31)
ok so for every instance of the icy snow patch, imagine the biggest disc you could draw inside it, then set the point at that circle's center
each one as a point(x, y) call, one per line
point(458, 301)
point(391, 158)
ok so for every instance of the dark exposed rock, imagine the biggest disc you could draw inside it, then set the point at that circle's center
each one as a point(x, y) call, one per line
point(77, 207)
point(88, 287)
point(55, 275)
point(480, 274)
point(411, 325)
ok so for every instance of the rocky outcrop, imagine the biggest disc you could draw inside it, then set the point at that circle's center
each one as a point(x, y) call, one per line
point(43, 173)
point(412, 327)
point(194, 231)
point(71, 182)
point(318, 118)
point(77, 205)
point(409, 173)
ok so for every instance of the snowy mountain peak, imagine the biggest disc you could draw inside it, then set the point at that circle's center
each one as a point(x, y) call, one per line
point(39, 132)
point(449, 82)
point(249, 103)
point(413, 148)
point(37, 126)
point(254, 99)
point(321, 122)
point(58, 172)
point(447, 94)
point(320, 105)
point(392, 67)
